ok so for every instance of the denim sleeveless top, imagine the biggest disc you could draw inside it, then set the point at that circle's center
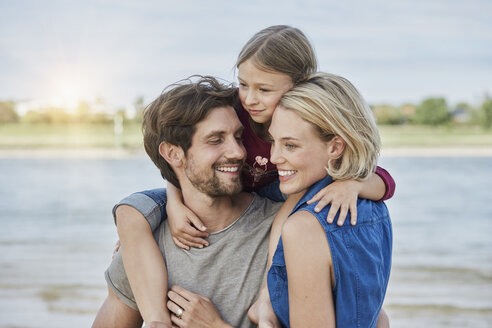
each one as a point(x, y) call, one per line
point(361, 257)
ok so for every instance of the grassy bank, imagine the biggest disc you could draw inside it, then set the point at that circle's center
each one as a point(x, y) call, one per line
point(26, 136)
point(442, 136)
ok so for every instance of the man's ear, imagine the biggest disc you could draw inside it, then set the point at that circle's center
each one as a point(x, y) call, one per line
point(336, 146)
point(171, 153)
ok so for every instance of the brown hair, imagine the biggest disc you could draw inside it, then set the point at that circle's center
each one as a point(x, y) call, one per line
point(173, 115)
point(281, 48)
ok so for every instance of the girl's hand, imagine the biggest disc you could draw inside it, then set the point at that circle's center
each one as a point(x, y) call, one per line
point(192, 310)
point(343, 197)
point(186, 228)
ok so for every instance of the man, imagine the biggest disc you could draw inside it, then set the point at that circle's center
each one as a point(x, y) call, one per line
point(192, 134)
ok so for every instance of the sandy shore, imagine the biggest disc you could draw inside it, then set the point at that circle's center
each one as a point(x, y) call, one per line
point(125, 153)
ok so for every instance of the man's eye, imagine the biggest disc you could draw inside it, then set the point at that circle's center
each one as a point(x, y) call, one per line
point(264, 90)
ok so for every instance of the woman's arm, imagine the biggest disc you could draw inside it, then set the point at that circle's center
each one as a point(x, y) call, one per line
point(144, 264)
point(261, 312)
point(309, 268)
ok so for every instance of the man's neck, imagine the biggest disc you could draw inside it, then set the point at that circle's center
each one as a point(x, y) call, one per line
point(216, 213)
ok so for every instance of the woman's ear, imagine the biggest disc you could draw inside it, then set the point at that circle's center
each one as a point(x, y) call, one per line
point(171, 153)
point(336, 146)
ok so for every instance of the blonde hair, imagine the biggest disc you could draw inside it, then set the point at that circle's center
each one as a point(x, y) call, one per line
point(335, 108)
point(283, 49)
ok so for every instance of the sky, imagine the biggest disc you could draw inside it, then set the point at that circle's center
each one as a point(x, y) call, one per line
point(394, 52)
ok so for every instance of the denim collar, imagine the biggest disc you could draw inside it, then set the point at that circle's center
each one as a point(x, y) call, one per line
point(312, 191)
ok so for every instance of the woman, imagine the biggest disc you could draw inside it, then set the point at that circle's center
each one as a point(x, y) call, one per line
point(325, 275)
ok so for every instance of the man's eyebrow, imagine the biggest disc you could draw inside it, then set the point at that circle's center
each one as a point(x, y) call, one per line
point(215, 133)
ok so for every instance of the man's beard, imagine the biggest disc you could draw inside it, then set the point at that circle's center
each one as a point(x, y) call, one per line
point(211, 185)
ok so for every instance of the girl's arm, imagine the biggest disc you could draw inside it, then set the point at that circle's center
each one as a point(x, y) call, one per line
point(309, 268)
point(343, 194)
point(144, 264)
point(186, 228)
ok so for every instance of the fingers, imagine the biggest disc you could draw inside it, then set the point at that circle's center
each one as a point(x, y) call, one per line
point(197, 223)
point(353, 213)
point(188, 236)
point(179, 322)
point(316, 197)
point(192, 241)
point(193, 232)
point(178, 243)
point(178, 300)
point(343, 214)
point(175, 309)
point(184, 293)
point(332, 212)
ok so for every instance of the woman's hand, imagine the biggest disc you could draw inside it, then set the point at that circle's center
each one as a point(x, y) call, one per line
point(157, 324)
point(192, 310)
point(261, 312)
point(342, 195)
point(186, 228)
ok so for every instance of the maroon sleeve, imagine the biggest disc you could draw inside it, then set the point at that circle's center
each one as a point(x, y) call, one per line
point(389, 183)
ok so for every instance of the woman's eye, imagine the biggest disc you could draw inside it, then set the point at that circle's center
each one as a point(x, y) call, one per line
point(290, 146)
point(214, 141)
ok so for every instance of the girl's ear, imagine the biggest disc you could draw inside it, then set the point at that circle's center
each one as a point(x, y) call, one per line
point(336, 146)
point(171, 153)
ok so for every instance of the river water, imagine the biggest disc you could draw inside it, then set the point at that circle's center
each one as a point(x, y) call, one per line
point(57, 236)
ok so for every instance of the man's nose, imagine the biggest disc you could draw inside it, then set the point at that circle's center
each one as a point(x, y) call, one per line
point(235, 150)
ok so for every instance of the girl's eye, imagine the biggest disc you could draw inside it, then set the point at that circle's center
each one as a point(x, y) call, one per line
point(290, 146)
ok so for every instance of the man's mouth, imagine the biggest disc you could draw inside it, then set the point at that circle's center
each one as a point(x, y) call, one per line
point(228, 168)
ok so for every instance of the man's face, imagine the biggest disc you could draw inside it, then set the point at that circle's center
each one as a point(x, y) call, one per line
point(213, 162)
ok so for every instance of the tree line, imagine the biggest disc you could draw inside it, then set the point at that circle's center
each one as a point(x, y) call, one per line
point(434, 112)
point(431, 111)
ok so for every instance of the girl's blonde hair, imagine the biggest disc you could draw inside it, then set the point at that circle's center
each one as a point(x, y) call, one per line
point(335, 108)
point(282, 49)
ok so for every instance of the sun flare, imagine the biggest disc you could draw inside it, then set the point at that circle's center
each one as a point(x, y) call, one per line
point(67, 90)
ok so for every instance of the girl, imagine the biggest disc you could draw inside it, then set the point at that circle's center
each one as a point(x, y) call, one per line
point(272, 61)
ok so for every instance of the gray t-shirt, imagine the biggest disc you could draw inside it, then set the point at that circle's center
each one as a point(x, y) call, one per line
point(229, 272)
